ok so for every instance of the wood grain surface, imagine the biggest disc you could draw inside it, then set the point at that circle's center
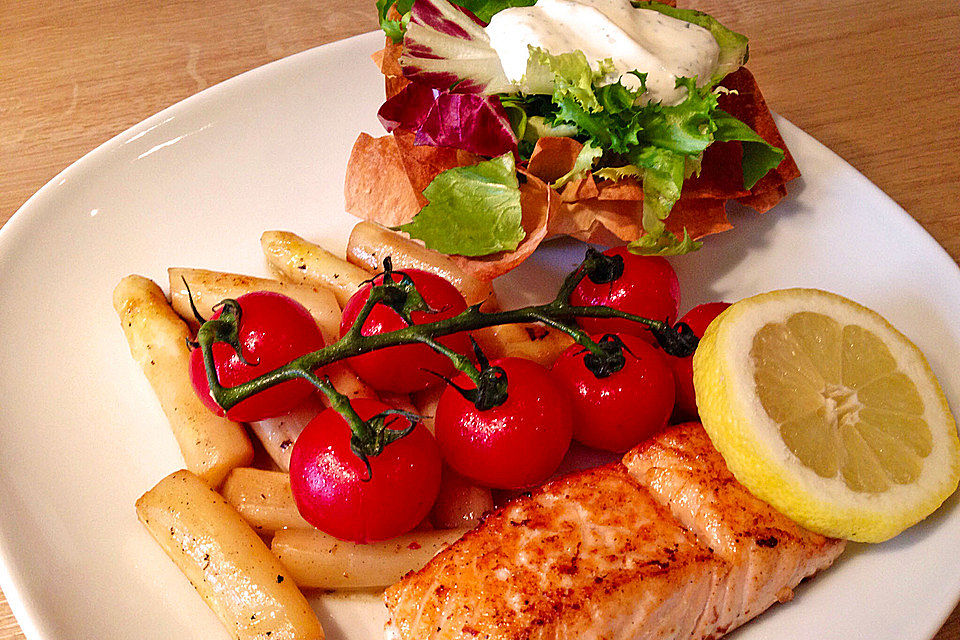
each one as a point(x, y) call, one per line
point(876, 81)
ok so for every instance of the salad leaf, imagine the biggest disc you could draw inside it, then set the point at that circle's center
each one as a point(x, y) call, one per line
point(734, 50)
point(655, 139)
point(685, 128)
point(608, 117)
point(663, 145)
point(391, 27)
point(665, 244)
point(448, 53)
point(518, 118)
point(472, 210)
point(482, 9)
point(537, 127)
point(446, 47)
point(618, 173)
point(662, 173)
point(486, 9)
point(582, 166)
point(693, 166)
point(408, 108)
point(568, 73)
point(759, 156)
point(528, 127)
point(467, 121)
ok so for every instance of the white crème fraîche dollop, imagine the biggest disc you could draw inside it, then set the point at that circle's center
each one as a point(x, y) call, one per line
point(644, 40)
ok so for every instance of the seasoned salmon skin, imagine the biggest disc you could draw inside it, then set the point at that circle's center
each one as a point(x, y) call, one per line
point(621, 552)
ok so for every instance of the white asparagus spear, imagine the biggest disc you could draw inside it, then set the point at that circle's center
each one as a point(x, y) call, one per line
point(301, 262)
point(209, 288)
point(211, 445)
point(226, 561)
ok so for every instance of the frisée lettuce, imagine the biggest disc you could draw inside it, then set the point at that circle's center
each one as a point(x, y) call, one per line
point(655, 140)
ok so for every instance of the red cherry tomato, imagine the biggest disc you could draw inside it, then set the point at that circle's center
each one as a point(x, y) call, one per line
point(648, 288)
point(274, 330)
point(330, 486)
point(698, 319)
point(515, 445)
point(406, 368)
point(621, 410)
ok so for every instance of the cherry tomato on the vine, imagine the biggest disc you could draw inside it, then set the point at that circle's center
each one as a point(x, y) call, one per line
point(698, 318)
point(331, 487)
point(274, 330)
point(514, 445)
point(621, 410)
point(648, 287)
point(406, 368)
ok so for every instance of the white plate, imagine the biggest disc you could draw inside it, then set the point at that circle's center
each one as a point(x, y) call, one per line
point(83, 436)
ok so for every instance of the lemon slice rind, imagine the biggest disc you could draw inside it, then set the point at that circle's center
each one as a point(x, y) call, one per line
point(750, 442)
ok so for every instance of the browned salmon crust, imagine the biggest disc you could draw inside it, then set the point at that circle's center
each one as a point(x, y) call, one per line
point(665, 546)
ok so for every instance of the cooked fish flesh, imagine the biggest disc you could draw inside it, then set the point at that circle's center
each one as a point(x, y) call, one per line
point(767, 553)
point(665, 546)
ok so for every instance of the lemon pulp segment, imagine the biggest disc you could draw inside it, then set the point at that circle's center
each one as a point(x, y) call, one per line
point(840, 402)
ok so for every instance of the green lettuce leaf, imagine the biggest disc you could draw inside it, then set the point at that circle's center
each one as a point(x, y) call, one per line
point(486, 9)
point(662, 172)
point(517, 116)
point(472, 210)
point(662, 144)
point(618, 173)
point(607, 114)
point(685, 128)
point(565, 74)
point(734, 50)
point(759, 156)
point(693, 166)
point(393, 28)
point(581, 166)
point(664, 244)
point(528, 127)
point(538, 127)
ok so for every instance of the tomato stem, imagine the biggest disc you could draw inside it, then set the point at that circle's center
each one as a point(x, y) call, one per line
point(579, 335)
point(609, 360)
point(460, 362)
point(489, 381)
point(602, 269)
point(403, 297)
point(368, 437)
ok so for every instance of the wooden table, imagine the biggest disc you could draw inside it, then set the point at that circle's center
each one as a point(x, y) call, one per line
point(875, 81)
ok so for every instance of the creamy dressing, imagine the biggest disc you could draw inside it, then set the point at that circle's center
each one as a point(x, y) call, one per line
point(634, 39)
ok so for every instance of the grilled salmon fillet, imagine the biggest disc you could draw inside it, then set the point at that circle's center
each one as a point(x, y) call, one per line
point(665, 546)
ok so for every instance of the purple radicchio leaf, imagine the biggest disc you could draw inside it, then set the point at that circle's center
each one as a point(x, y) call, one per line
point(445, 45)
point(408, 108)
point(470, 122)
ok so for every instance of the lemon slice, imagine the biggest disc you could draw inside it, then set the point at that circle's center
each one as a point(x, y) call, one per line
point(824, 410)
